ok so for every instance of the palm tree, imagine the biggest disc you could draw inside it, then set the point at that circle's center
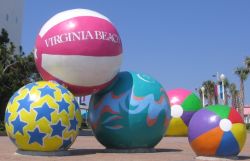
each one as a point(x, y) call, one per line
point(209, 91)
point(226, 87)
point(242, 73)
point(234, 95)
point(237, 100)
point(247, 62)
point(198, 90)
point(216, 101)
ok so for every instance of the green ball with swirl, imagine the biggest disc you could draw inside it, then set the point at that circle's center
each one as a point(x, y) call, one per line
point(133, 112)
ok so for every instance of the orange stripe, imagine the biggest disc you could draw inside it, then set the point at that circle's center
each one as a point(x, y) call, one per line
point(138, 98)
point(108, 109)
point(160, 100)
point(141, 98)
point(115, 96)
point(117, 126)
point(150, 121)
point(167, 121)
point(208, 143)
point(94, 125)
point(96, 106)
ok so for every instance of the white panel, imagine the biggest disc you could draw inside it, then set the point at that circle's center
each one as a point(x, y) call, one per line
point(176, 111)
point(225, 125)
point(82, 70)
point(62, 16)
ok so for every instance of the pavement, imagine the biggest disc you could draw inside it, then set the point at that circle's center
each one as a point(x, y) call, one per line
point(86, 147)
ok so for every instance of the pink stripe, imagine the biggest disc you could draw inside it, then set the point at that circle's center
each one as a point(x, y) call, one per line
point(91, 47)
point(177, 96)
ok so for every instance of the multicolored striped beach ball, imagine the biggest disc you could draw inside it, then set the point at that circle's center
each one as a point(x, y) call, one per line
point(183, 104)
point(217, 130)
point(79, 48)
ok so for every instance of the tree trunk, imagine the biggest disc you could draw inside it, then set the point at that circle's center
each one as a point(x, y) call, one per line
point(210, 100)
point(237, 101)
point(242, 100)
point(3, 106)
point(216, 99)
point(226, 97)
point(200, 94)
point(234, 101)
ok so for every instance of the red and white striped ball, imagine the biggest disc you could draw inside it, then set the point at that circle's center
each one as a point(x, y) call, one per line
point(80, 49)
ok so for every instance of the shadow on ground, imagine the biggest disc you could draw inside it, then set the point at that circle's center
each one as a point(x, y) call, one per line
point(77, 152)
point(85, 132)
point(243, 158)
point(223, 158)
point(167, 150)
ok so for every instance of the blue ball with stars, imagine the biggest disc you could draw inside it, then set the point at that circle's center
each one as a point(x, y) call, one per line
point(42, 116)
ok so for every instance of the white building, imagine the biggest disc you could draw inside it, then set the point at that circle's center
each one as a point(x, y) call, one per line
point(11, 18)
point(247, 114)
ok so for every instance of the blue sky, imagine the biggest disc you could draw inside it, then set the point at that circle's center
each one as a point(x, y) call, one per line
point(180, 43)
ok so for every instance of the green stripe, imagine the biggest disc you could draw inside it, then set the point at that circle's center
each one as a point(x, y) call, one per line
point(221, 110)
point(191, 103)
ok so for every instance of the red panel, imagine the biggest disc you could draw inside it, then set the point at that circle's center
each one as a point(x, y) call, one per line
point(235, 117)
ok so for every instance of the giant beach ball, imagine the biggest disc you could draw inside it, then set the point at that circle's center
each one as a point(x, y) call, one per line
point(131, 113)
point(42, 116)
point(218, 131)
point(80, 49)
point(184, 104)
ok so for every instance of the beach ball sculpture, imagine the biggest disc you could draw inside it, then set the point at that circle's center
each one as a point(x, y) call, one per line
point(217, 131)
point(184, 104)
point(80, 49)
point(132, 113)
point(42, 116)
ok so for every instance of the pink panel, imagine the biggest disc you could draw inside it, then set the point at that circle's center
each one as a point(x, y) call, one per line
point(177, 96)
point(88, 36)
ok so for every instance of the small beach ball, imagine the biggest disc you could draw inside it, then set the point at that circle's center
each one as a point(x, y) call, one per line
point(42, 116)
point(131, 113)
point(183, 104)
point(217, 130)
point(80, 49)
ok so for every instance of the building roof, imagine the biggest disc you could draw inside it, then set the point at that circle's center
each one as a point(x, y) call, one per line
point(247, 110)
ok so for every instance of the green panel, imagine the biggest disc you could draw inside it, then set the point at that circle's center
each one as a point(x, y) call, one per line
point(122, 82)
point(144, 85)
point(191, 103)
point(221, 110)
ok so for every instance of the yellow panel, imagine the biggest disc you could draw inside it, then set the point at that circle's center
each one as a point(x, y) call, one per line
point(240, 133)
point(177, 128)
